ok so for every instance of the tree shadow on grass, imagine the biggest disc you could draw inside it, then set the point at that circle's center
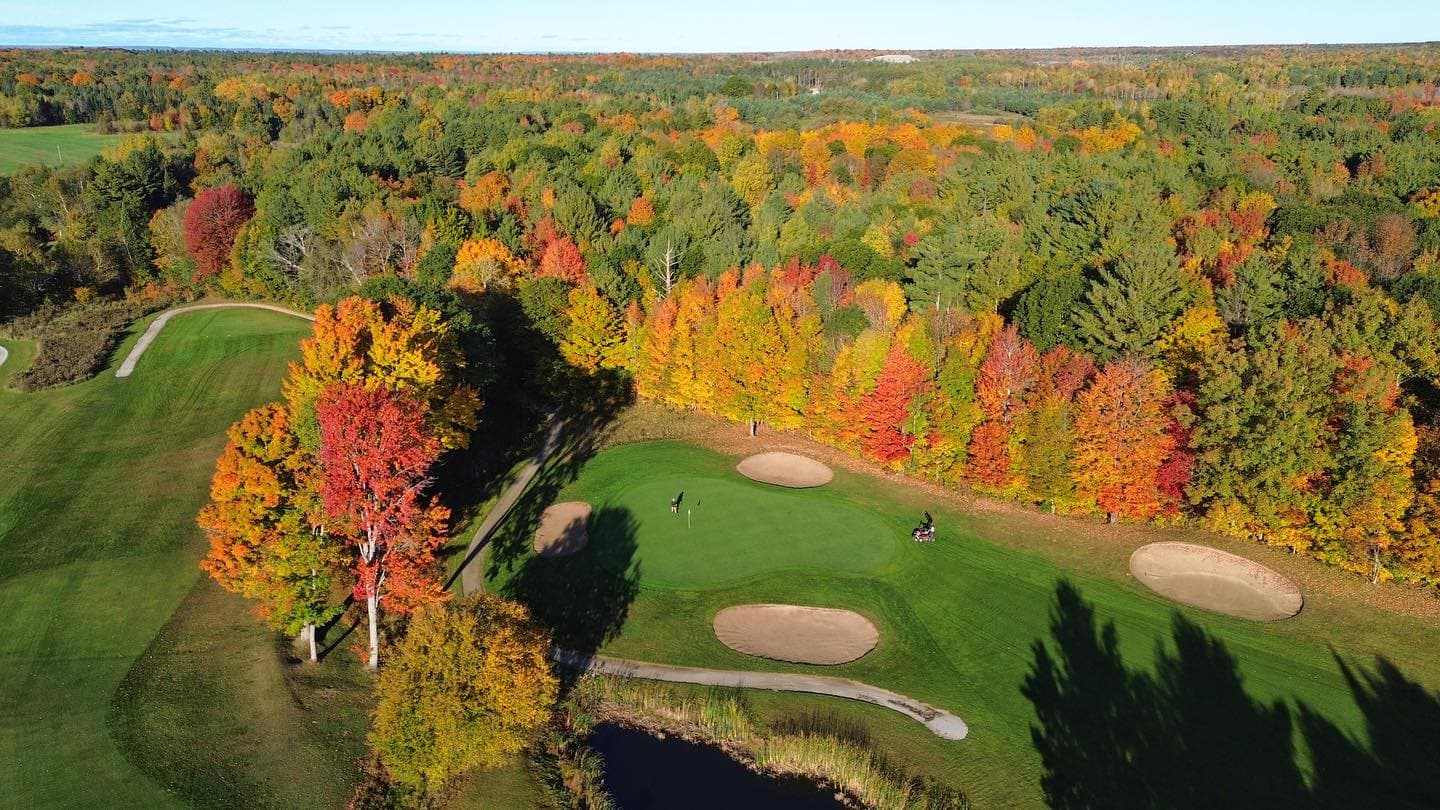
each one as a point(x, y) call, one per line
point(1401, 762)
point(581, 439)
point(584, 598)
point(1188, 734)
point(582, 427)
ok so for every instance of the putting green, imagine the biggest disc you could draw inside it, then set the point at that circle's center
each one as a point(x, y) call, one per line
point(728, 531)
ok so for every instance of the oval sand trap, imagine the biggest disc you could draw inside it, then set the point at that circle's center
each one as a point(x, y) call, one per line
point(785, 469)
point(803, 635)
point(562, 529)
point(1216, 580)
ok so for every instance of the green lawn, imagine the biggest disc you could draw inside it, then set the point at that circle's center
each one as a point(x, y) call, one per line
point(62, 145)
point(99, 486)
point(730, 530)
point(958, 617)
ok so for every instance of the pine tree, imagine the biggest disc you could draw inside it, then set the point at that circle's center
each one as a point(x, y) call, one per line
point(1131, 302)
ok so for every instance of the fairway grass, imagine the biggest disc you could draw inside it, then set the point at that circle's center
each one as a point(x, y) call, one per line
point(98, 544)
point(63, 145)
point(957, 617)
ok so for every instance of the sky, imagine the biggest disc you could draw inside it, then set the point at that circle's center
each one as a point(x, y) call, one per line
point(718, 25)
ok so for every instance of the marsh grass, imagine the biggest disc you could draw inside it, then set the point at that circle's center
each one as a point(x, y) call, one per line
point(828, 751)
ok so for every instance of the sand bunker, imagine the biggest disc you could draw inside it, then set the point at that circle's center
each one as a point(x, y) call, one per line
point(803, 635)
point(786, 470)
point(1216, 580)
point(562, 529)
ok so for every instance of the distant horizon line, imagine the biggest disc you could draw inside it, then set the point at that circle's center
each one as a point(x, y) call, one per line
point(621, 52)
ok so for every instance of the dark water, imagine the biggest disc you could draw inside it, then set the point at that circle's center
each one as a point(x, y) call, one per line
point(645, 773)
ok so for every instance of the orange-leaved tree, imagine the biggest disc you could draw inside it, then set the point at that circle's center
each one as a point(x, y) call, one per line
point(1007, 373)
point(375, 458)
point(267, 540)
point(398, 345)
point(1122, 437)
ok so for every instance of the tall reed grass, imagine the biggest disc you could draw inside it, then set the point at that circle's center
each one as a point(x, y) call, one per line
point(837, 755)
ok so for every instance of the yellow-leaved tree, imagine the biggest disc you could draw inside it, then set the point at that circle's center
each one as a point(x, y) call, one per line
point(467, 687)
point(595, 338)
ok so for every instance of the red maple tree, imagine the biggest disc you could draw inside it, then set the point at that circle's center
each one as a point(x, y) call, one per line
point(375, 456)
point(886, 409)
point(211, 224)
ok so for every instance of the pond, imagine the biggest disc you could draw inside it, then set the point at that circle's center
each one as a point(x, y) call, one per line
point(643, 772)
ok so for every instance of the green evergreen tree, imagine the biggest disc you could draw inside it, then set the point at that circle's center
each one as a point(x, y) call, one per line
point(1130, 303)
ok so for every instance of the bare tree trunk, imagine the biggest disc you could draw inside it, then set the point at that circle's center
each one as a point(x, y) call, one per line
point(754, 427)
point(372, 603)
point(310, 634)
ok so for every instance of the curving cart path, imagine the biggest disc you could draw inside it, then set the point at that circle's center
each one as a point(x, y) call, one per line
point(4, 355)
point(941, 723)
point(156, 325)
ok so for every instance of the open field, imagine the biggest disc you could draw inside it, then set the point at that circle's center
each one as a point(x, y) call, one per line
point(98, 547)
point(62, 145)
point(957, 618)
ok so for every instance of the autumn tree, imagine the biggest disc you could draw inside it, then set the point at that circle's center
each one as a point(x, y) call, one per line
point(212, 222)
point(651, 366)
point(595, 337)
point(1121, 439)
point(484, 263)
point(375, 457)
point(1005, 376)
point(887, 409)
point(266, 533)
point(1048, 427)
point(561, 259)
point(747, 354)
point(399, 345)
point(467, 687)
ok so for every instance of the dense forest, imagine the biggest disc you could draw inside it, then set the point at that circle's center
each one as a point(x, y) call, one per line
point(1154, 285)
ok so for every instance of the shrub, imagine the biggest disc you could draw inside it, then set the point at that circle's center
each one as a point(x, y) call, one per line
point(75, 342)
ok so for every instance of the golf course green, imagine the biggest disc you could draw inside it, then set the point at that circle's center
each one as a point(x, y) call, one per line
point(98, 549)
point(731, 530)
point(958, 618)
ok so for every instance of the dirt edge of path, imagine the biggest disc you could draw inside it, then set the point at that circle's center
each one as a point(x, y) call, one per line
point(943, 724)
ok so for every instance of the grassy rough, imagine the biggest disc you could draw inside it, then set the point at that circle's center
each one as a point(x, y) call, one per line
point(98, 546)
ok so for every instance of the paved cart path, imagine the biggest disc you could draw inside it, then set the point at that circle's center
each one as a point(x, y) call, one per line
point(940, 722)
point(159, 323)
